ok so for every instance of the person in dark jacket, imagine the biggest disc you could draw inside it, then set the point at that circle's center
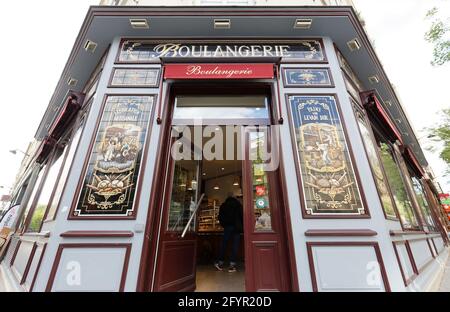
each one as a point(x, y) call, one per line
point(231, 219)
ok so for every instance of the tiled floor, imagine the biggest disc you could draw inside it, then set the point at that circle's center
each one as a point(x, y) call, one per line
point(209, 279)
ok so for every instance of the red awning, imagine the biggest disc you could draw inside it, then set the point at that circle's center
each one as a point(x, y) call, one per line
point(45, 149)
point(374, 107)
point(71, 106)
point(411, 158)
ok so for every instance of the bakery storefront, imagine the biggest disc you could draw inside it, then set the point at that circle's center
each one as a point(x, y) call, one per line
point(124, 189)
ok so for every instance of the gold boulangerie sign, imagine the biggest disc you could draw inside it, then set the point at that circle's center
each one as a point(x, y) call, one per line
point(141, 51)
point(328, 179)
point(109, 185)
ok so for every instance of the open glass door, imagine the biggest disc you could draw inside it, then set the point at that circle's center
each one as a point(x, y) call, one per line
point(176, 258)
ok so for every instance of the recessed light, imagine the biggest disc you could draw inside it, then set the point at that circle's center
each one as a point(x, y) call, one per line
point(90, 46)
point(354, 45)
point(222, 24)
point(139, 23)
point(72, 82)
point(374, 79)
point(303, 23)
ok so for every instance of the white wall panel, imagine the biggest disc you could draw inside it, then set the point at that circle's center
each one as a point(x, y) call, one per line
point(347, 268)
point(421, 252)
point(90, 269)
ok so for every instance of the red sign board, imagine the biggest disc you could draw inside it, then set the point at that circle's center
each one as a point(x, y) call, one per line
point(260, 190)
point(218, 71)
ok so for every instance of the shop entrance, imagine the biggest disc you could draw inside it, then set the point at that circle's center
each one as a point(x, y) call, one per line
point(208, 184)
point(224, 155)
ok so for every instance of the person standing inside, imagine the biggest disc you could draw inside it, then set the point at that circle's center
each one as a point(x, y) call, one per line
point(231, 219)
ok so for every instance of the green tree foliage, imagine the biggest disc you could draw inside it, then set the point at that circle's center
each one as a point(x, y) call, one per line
point(440, 133)
point(36, 220)
point(438, 35)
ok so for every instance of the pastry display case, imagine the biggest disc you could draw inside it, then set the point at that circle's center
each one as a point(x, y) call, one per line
point(208, 216)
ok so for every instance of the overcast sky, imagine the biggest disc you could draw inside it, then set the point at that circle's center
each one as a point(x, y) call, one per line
point(36, 44)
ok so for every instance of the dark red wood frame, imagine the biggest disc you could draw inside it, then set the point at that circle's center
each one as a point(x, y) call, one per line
point(340, 232)
point(148, 255)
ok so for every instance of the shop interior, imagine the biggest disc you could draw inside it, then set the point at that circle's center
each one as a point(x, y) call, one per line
point(215, 180)
point(219, 178)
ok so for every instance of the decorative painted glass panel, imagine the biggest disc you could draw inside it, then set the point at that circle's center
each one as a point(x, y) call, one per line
point(142, 51)
point(398, 188)
point(109, 186)
point(261, 202)
point(307, 77)
point(382, 187)
point(137, 77)
point(328, 180)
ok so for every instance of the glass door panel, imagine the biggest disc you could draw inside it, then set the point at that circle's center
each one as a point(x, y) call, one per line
point(260, 183)
point(184, 195)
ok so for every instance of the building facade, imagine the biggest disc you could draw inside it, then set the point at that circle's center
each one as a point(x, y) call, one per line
point(163, 112)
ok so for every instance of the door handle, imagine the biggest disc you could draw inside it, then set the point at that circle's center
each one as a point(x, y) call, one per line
point(192, 216)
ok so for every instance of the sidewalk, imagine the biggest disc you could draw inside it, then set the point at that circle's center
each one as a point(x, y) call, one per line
point(2, 282)
point(445, 283)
